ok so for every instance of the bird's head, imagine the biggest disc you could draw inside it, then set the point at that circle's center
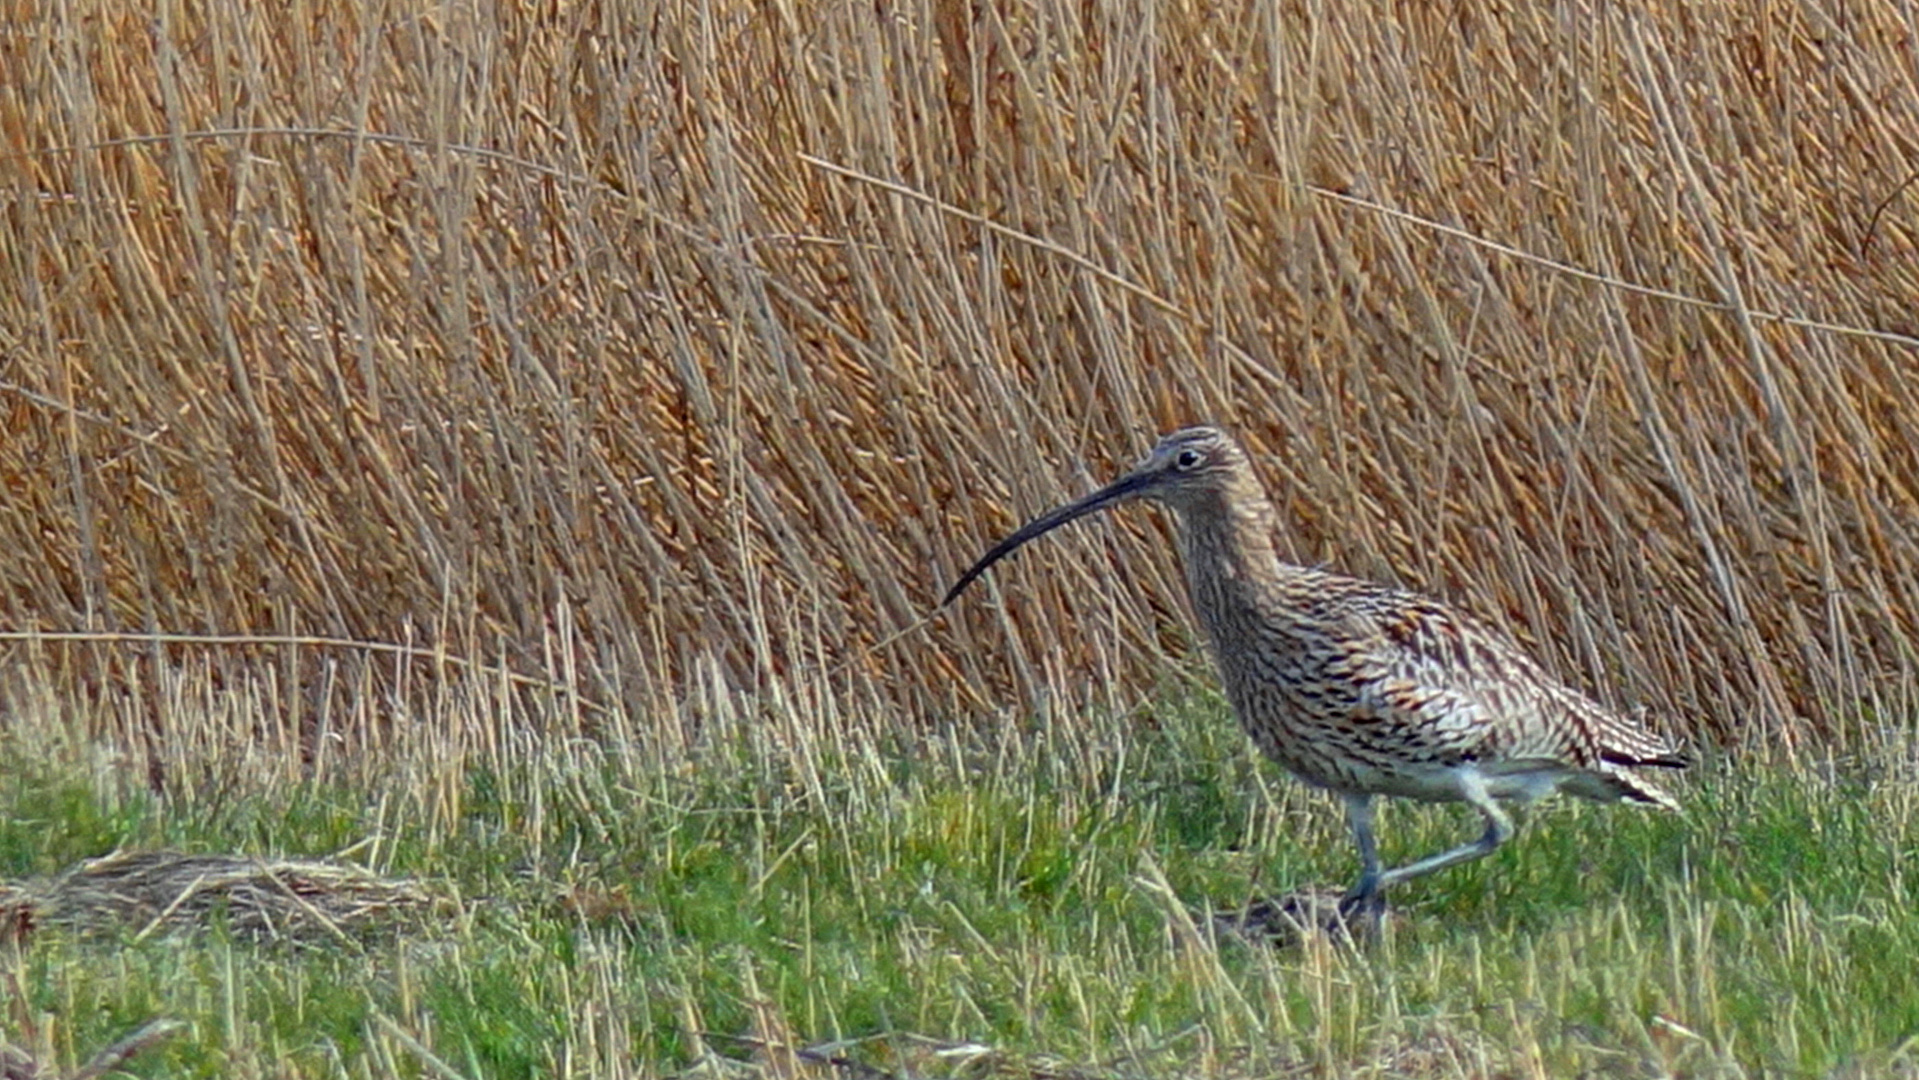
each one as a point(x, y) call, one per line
point(1185, 468)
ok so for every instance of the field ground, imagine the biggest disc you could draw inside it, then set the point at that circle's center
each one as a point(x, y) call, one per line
point(1009, 902)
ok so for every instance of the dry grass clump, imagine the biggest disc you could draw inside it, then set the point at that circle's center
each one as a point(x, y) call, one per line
point(290, 901)
point(687, 352)
point(18, 1064)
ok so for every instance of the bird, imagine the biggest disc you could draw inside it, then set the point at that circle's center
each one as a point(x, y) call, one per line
point(1363, 689)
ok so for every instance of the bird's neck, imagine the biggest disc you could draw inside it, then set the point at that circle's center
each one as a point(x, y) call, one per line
point(1227, 541)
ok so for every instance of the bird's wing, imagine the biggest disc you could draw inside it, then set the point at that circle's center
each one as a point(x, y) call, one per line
point(1451, 687)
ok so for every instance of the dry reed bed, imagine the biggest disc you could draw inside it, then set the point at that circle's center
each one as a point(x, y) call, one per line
point(576, 361)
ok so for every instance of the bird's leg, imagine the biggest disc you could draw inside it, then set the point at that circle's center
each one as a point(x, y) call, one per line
point(1499, 829)
point(1359, 811)
point(1363, 904)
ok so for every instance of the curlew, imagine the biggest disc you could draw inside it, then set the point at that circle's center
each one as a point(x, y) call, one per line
point(1362, 689)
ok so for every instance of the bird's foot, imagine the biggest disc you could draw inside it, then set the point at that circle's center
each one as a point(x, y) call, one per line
point(1362, 911)
point(1303, 913)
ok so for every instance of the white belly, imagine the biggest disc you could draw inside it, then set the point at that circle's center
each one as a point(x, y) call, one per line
point(1508, 781)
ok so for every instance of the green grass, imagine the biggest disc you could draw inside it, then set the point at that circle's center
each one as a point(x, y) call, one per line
point(1012, 905)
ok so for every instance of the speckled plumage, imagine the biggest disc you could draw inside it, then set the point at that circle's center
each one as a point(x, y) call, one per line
point(1362, 689)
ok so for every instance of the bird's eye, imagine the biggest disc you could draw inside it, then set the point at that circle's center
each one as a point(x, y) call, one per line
point(1189, 459)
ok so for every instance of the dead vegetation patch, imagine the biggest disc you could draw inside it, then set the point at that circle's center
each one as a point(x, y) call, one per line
point(262, 899)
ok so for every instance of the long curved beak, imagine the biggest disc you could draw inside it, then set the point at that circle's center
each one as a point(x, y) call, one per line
point(1118, 491)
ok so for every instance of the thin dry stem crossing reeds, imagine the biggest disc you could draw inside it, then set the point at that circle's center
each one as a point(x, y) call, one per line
point(680, 352)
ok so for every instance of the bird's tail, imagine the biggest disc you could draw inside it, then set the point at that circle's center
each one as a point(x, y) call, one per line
point(1607, 784)
point(1660, 758)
